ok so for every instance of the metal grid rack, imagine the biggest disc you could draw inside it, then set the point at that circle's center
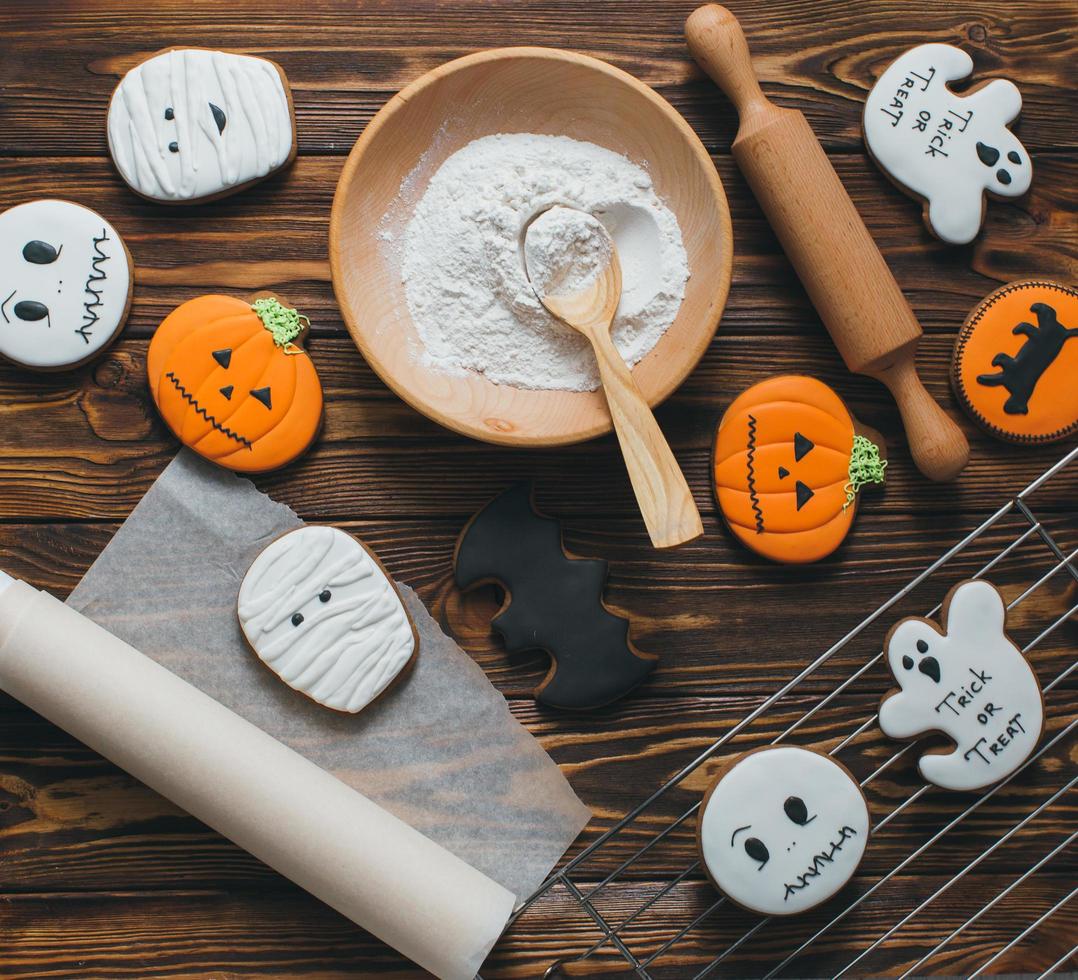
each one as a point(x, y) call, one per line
point(1028, 532)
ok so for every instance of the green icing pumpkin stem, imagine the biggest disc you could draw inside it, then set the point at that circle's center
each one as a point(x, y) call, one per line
point(281, 321)
point(865, 467)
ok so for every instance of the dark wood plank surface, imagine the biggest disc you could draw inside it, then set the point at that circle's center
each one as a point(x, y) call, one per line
point(99, 877)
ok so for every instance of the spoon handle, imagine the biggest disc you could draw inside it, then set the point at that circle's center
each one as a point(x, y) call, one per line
point(664, 497)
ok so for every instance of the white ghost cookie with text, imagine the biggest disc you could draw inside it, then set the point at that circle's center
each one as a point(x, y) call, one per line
point(967, 680)
point(319, 610)
point(65, 284)
point(190, 124)
point(944, 147)
point(782, 830)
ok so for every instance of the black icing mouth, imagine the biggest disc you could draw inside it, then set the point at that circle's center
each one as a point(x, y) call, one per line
point(930, 667)
point(754, 497)
point(819, 862)
point(97, 275)
point(199, 410)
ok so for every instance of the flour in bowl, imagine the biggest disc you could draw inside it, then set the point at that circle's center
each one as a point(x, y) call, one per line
point(463, 271)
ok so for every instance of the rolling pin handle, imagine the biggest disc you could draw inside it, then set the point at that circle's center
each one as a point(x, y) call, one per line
point(718, 44)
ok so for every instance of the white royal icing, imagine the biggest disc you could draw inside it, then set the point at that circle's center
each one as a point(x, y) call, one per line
point(64, 283)
point(783, 830)
point(946, 148)
point(226, 115)
point(342, 651)
point(971, 683)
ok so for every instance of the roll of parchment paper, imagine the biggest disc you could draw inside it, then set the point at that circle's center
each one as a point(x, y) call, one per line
point(297, 818)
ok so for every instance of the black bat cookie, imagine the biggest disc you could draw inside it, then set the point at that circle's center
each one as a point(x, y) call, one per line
point(553, 602)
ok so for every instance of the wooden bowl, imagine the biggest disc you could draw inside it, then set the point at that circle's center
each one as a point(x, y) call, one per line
point(528, 90)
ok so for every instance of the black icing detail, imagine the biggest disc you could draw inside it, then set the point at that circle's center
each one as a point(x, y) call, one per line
point(31, 310)
point(97, 275)
point(804, 494)
point(796, 810)
point(907, 661)
point(988, 155)
point(783, 472)
point(40, 253)
point(930, 667)
point(750, 459)
point(227, 392)
point(802, 446)
point(555, 603)
point(199, 410)
point(1019, 374)
point(1014, 157)
point(170, 114)
point(223, 357)
point(218, 117)
point(297, 619)
point(757, 850)
point(174, 147)
point(922, 646)
point(1003, 176)
point(262, 395)
point(325, 595)
point(819, 862)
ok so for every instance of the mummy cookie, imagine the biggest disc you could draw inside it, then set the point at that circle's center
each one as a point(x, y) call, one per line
point(969, 681)
point(65, 284)
point(232, 382)
point(945, 148)
point(191, 124)
point(1016, 362)
point(788, 463)
point(782, 830)
point(319, 611)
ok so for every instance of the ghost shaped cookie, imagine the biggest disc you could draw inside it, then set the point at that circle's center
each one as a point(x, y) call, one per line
point(967, 680)
point(782, 830)
point(945, 148)
point(191, 124)
point(65, 284)
point(319, 610)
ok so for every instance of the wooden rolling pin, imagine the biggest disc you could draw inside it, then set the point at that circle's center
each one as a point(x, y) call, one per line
point(836, 259)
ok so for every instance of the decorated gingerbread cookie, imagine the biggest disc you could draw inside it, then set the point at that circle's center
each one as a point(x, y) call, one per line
point(1016, 362)
point(969, 681)
point(66, 286)
point(782, 830)
point(946, 148)
point(320, 611)
point(553, 602)
point(190, 124)
point(788, 463)
point(232, 382)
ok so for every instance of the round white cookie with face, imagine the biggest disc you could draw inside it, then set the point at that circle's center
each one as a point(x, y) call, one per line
point(65, 282)
point(782, 830)
point(190, 123)
point(318, 610)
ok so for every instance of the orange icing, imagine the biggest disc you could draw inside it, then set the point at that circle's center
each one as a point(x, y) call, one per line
point(236, 429)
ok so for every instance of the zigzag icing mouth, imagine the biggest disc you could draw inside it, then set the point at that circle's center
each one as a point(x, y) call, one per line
point(97, 275)
point(754, 497)
point(199, 410)
point(815, 869)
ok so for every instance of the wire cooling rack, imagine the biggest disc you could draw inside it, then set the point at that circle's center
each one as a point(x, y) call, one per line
point(1020, 546)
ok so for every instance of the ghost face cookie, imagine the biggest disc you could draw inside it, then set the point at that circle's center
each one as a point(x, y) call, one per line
point(191, 124)
point(232, 382)
point(319, 611)
point(945, 148)
point(782, 830)
point(969, 681)
point(1016, 361)
point(65, 284)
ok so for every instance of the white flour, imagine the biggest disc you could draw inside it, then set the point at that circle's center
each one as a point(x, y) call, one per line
point(565, 251)
point(463, 271)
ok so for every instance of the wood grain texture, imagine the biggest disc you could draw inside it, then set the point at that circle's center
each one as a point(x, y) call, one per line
point(99, 877)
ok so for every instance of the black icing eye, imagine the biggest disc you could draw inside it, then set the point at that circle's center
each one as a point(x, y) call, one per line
point(907, 662)
point(757, 850)
point(40, 253)
point(325, 595)
point(802, 446)
point(223, 357)
point(30, 310)
point(1003, 177)
point(797, 811)
point(218, 117)
point(263, 395)
point(922, 646)
point(1014, 157)
point(297, 619)
point(174, 147)
point(169, 114)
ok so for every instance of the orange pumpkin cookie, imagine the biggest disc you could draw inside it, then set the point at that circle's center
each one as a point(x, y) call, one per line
point(788, 463)
point(232, 383)
point(1018, 379)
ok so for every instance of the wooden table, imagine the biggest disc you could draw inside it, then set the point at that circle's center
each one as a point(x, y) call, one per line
point(100, 877)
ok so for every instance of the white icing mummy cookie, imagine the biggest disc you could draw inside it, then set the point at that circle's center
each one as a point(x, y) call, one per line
point(782, 830)
point(968, 681)
point(944, 148)
point(191, 124)
point(320, 612)
point(65, 284)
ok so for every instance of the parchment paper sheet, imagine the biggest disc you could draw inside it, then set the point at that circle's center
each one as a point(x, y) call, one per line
point(440, 750)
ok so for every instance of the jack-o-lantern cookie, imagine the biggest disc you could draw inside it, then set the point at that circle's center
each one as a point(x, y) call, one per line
point(1017, 378)
point(320, 611)
point(782, 829)
point(232, 382)
point(968, 680)
point(788, 463)
point(65, 284)
point(190, 124)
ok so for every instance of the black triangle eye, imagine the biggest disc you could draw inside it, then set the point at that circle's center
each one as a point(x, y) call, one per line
point(797, 811)
point(757, 850)
point(804, 494)
point(802, 446)
point(223, 357)
point(40, 253)
point(263, 395)
point(218, 117)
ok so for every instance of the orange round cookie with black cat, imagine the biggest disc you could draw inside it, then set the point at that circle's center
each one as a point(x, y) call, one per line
point(233, 383)
point(788, 462)
point(1015, 366)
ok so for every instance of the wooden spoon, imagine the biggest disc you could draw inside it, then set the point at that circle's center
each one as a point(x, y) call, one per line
point(662, 494)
